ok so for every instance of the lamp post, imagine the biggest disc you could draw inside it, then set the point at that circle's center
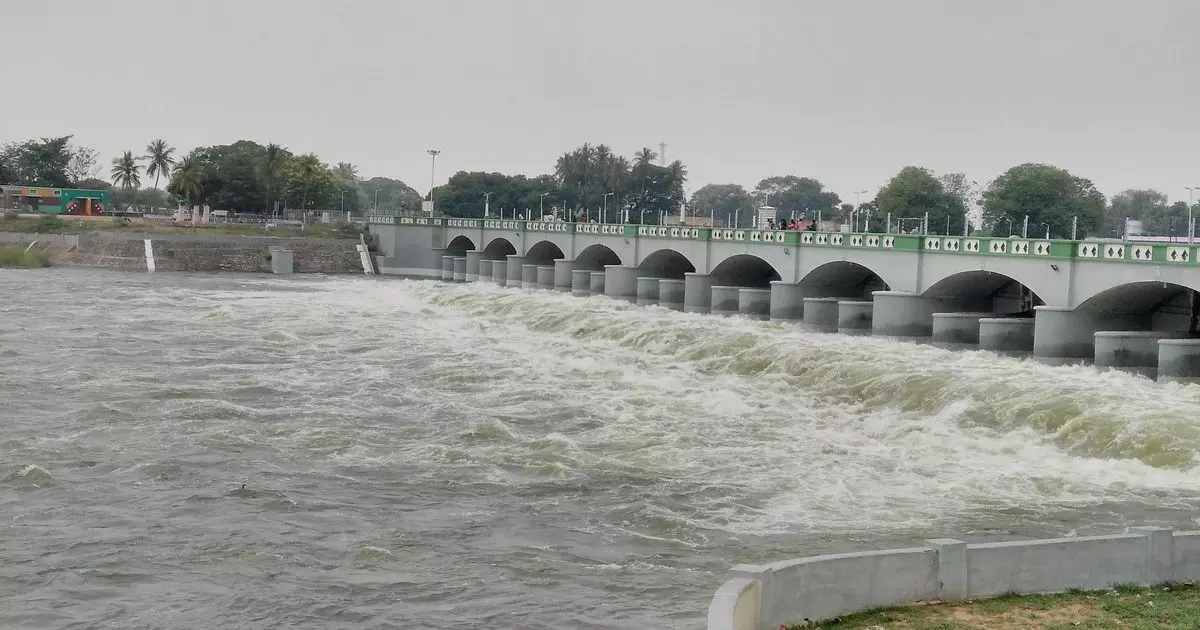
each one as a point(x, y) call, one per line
point(1191, 225)
point(433, 153)
point(857, 207)
point(376, 201)
point(1047, 230)
point(343, 202)
point(487, 201)
point(541, 197)
point(606, 203)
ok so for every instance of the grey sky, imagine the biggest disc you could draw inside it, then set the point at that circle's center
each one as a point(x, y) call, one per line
point(848, 91)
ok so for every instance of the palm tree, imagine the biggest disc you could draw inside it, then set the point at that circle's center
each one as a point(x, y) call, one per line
point(188, 180)
point(126, 172)
point(159, 160)
point(272, 167)
point(346, 171)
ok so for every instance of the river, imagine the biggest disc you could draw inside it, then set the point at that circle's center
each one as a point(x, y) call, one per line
point(425, 455)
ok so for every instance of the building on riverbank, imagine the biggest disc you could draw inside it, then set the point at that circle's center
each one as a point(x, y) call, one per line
point(49, 200)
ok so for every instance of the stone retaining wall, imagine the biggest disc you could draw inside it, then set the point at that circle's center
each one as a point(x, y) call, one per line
point(765, 597)
point(187, 252)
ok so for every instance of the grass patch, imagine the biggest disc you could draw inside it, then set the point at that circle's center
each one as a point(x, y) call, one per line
point(1170, 606)
point(51, 224)
point(18, 257)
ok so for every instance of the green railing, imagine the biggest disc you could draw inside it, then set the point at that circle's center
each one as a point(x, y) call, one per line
point(1106, 251)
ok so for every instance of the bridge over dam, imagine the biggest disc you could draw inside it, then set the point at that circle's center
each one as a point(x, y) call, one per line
point(1120, 304)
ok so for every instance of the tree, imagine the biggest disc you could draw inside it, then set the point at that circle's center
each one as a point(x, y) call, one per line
point(126, 172)
point(914, 191)
point(1147, 206)
point(92, 183)
point(271, 168)
point(723, 202)
point(1046, 194)
point(44, 162)
point(393, 195)
point(308, 182)
point(159, 160)
point(802, 197)
point(346, 171)
point(188, 179)
point(463, 195)
point(82, 165)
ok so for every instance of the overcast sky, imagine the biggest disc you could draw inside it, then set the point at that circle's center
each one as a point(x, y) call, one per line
point(847, 91)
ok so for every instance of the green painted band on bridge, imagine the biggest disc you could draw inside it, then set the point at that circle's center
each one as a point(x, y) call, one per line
point(1100, 251)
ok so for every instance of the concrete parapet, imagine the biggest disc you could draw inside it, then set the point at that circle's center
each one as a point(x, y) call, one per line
point(545, 277)
point(484, 270)
point(447, 268)
point(515, 264)
point(1179, 360)
point(1006, 335)
point(725, 301)
point(529, 276)
point(821, 314)
point(460, 269)
point(472, 270)
point(854, 316)
point(596, 285)
point(755, 303)
point(697, 293)
point(581, 282)
point(787, 302)
point(818, 588)
point(957, 328)
point(671, 293)
point(500, 272)
point(647, 291)
point(1062, 335)
point(562, 275)
point(621, 282)
point(1131, 350)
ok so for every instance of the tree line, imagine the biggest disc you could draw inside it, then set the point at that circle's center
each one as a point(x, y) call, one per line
point(592, 182)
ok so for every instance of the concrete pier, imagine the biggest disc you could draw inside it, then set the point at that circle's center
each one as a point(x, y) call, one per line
point(1006, 335)
point(1179, 360)
point(500, 272)
point(957, 328)
point(821, 314)
point(755, 303)
point(621, 282)
point(908, 315)
point(597, 283)
point(1063, 335)
point(447, 268)
point(460, 269)
point(1131, 350)
point(562, 275)
point(281, 261)
point(581, 282)
point(515, 263)
point(671, 294)
point(697, 292)
point(725, 301)
point(647, 291)
point(787, 302)
point(529, 276)
point(484, 270)
point(473, 258)
point(854, 317)
point(545, 278)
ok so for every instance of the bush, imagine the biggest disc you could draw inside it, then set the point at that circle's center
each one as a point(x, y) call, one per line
point(346, 229)
point(19, 257)
point(49, 224)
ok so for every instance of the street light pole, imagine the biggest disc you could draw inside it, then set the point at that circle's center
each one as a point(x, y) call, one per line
point(1191, 225)
point(857, 207)
point(343, 202)
point(606, 204)
point(433, 153)
point(487, 201)
point(541, 212)
point(376, 201)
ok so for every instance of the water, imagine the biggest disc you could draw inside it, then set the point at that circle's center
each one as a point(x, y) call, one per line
point(422, 455)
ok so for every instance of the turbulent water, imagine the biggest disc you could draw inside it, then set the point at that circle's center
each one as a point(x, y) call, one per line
point(191, 451)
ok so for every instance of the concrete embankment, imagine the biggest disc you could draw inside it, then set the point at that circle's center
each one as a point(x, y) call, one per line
point(187, 252)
